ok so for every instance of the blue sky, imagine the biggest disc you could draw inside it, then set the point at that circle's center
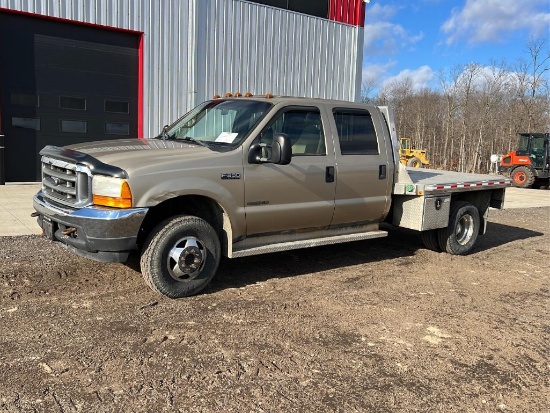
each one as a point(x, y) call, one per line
point(418, 38)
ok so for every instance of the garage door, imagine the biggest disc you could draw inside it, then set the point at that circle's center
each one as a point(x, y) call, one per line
point(63, 83)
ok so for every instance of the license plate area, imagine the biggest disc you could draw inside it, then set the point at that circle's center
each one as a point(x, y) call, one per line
point(49, 228)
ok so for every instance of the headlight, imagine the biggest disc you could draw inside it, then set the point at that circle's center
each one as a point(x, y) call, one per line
point(111, 192)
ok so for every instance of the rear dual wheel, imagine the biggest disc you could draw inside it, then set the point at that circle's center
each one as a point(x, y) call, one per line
point(429, 238)
point(459, 237)
point(461, 234)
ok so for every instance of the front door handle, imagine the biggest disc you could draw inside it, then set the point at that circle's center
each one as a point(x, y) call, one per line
point(329, 174)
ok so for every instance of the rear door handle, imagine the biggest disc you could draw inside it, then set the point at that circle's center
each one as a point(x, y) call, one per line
point(329, 174)
point(382, 172)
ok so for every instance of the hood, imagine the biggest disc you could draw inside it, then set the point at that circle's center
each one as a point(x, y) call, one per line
point(99, 149)
point(133, 154)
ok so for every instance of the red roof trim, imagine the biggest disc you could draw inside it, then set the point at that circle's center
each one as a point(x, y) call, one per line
point(347, 11)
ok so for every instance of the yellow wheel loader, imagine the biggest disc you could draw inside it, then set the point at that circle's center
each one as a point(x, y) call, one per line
point(415, 158)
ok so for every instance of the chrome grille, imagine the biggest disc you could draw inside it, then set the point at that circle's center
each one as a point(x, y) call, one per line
point(66, 183)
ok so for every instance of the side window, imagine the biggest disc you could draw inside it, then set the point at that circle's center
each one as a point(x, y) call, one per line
point(304, 128)
point(355, 132)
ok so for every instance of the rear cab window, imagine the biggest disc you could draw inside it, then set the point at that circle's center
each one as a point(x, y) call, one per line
point(356, 133)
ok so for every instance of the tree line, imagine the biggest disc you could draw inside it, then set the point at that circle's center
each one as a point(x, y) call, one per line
point(475, 112)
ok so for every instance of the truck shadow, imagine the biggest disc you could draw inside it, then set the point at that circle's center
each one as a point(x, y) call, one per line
point(499, 234)
point(400, 244)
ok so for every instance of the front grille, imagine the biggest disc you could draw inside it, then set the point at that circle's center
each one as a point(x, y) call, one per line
point(66, 183)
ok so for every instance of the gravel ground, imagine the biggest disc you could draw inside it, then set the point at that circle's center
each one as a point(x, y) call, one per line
point(375, 326)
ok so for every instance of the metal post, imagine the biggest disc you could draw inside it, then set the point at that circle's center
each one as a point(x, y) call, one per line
point(2, 175)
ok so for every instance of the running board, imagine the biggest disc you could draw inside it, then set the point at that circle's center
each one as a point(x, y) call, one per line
point(247, 250)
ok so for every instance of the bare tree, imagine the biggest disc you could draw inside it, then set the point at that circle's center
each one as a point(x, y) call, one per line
point(367, 88)
point(531, 78)
point(476, 110)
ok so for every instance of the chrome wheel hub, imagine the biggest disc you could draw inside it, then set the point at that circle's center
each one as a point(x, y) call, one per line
point(465, 229)
point(186, 259)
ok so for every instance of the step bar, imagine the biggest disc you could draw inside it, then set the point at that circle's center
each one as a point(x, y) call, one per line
point(266, 245)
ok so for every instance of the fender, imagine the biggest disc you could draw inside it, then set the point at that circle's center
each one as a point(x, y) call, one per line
point(511, 159)
point(228, 194)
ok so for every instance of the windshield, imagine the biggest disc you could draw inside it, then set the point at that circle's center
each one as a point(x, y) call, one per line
point(224, 122)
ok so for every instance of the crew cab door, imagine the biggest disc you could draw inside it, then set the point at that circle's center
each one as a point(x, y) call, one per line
point(298, 195)
point(364, 165)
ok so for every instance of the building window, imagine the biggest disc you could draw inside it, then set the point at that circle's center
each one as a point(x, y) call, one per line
point(72, 103)
point(355, 132)
point(26, 123)
point(117, 128)
point(318, 8)
point(74, 126)
point(117, 106)
point(20, 99)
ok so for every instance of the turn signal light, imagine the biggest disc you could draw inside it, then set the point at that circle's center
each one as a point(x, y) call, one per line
point(111, 192)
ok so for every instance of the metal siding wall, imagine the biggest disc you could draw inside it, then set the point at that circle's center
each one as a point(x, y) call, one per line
point(256, 48)
point(169, 46)
point(195, 48)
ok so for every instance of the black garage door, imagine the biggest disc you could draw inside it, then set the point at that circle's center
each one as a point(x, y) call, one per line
point(62, 83)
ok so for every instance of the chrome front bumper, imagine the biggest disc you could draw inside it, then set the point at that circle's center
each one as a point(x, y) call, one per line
point(103, 234)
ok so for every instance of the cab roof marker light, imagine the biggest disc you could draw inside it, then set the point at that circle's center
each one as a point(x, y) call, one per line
point(216, 96)
point(269, 96)
point(228, 95)
point(238, 94)
point(248, 95)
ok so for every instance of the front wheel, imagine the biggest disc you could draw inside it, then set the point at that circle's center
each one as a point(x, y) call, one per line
point(523, 177)
point(414, 162)
point(461, 234)
point(180, 256)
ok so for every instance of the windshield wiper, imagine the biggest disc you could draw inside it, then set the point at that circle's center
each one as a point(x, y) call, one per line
point(163, 135)
point(193, 140)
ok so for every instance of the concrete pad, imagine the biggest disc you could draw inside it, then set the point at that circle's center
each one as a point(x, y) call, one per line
point(526, 198)
point(16, 206)
point(16, 209)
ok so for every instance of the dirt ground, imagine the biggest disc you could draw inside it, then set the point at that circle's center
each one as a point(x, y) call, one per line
point(376, 326)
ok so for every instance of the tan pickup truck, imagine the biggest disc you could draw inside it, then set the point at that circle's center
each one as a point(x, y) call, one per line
point(244, 176)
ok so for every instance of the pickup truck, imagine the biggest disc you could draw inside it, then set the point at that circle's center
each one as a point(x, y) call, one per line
point(241, 176)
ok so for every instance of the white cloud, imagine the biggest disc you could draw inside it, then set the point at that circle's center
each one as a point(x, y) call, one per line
point(489, 20)
point(374, 74)
point(382, 37)
point(420, 78)
point(376, 12)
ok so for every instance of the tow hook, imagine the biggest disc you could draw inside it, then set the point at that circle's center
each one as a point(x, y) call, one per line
point(35, 214)
point(68, 231)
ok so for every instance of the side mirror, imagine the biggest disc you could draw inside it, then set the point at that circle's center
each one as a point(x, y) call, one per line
point(279, 152)
point(281, 149)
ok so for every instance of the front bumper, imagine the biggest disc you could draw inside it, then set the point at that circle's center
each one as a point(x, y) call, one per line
point(99, 233)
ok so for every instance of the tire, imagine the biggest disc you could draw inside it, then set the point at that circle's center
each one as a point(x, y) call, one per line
point(541, 184)
point(430, 240)
point(522, 177)
point(461, 234)
point(414, 162)
point(180, 256)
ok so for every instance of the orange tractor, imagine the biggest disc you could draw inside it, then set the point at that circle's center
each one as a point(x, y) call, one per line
point(529, 165)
